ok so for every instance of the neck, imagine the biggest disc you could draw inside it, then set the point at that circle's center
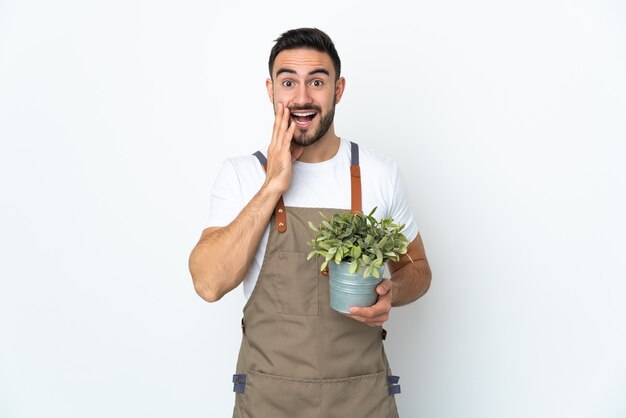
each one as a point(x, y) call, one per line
point(322, 150)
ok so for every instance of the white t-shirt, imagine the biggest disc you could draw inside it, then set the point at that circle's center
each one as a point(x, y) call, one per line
point(313, 185)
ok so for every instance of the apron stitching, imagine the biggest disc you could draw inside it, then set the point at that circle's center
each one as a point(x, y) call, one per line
point(336, 380)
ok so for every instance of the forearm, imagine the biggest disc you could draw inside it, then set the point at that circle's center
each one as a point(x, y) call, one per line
point(221, 258)
point(410, 282)
point(219, 261)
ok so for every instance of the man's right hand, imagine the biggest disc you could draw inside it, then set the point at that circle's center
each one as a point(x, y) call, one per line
point(281, 152)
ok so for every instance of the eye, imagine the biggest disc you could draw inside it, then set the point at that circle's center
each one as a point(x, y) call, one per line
point(288, 83)
point(317, 83)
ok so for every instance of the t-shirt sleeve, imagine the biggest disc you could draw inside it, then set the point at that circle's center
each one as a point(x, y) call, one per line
point(226, 201)
point(400, 208)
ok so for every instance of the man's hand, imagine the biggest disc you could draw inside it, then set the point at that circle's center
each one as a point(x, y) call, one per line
point(281, 152)
point(411, 279)
point(375, 315)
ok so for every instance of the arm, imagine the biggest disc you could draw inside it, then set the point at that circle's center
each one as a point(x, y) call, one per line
point(409, 281)
point(220, 259)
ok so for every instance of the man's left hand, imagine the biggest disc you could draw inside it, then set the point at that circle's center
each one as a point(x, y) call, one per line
point(375, 315)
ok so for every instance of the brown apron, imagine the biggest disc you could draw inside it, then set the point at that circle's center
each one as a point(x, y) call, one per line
point(298, 357)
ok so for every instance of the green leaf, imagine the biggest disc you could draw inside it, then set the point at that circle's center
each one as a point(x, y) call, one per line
point(368, 271)
point(360, 239)
point(324, 264)
point(354, 266)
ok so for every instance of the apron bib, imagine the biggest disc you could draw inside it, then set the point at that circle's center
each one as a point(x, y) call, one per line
point(298, 357)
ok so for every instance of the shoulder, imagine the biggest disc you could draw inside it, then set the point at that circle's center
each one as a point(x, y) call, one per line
point(243, 175)
point(239, 172)
point(382, 179)
point(244, 165)
point(383, 166)
point(244, 162)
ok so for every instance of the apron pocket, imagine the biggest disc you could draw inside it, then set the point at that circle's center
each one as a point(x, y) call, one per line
point(360, 396)
point(270, 396)
point(296, 284)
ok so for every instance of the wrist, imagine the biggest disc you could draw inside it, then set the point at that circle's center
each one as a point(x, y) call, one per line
point(394, 291)
point(270, 191)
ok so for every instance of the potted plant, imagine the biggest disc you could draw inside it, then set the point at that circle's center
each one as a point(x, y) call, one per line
point(355, 248)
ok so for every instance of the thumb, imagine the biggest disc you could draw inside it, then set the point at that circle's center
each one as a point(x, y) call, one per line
point(384, 287)
point(296, 151)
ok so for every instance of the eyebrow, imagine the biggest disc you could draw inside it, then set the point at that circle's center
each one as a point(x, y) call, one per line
point(290, 71)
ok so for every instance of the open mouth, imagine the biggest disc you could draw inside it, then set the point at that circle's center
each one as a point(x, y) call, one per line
point(303, 119)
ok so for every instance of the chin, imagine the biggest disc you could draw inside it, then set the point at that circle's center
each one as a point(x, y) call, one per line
point(305, 140)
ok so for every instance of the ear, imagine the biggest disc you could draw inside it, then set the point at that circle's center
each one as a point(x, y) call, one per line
point(340, 85)
point(270, 89)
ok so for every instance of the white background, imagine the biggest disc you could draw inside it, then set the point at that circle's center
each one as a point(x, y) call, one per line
point(507, 120)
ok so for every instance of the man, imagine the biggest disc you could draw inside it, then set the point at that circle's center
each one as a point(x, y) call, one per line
point(299, 358)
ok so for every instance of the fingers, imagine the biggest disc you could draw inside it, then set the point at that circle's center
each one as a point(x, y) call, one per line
point(278, 114)
point(376, 321)
point(287, 130)
point(379, 311)
point(373, 316)
point(377, 314)
point(284, 123)
point(282, 132)
point(289, 133)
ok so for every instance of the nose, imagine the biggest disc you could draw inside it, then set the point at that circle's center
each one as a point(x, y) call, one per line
point(301, 96)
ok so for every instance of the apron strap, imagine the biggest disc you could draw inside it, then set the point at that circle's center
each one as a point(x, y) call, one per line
point(279, 210)
point(355, 186)
point(259, 155)
point(355, 178)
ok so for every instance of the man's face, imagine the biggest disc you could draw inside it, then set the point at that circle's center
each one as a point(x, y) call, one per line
point(303, 80)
